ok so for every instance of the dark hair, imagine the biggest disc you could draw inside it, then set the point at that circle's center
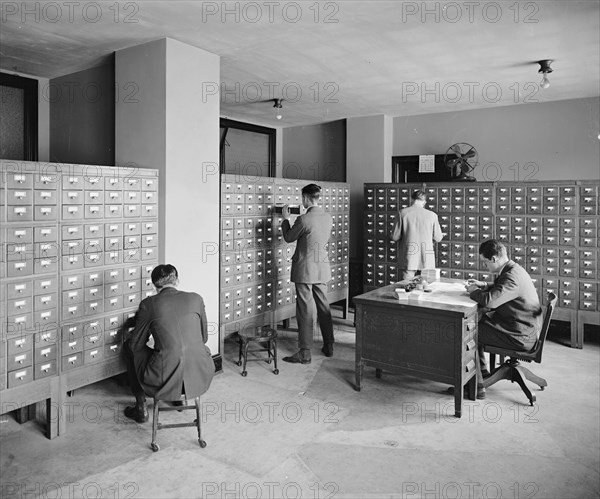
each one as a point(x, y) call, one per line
point(313, 191)
point(491, 248)
point(163, 275)
point(418, 194)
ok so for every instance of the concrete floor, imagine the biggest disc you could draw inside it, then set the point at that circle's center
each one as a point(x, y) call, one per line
point(307, 433)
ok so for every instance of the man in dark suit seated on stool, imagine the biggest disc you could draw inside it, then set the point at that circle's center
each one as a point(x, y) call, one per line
point(180, 361)
point(511, 315)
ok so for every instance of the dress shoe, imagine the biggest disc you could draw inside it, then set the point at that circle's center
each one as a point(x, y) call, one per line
point(480, 392)
point(327, 349)
point(297, 358)
point(138, 414)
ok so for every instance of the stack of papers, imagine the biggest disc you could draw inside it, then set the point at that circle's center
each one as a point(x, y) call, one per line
point(430, 275)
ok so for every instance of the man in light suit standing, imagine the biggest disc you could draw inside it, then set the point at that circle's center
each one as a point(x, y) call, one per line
point(310, 272)
point(416, 229)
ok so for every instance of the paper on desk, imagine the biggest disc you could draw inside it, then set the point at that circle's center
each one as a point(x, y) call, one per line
point(448, 287)
point(450, 293)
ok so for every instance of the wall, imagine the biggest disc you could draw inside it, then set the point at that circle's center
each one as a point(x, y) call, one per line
point(82, 115)
point(315, 152)
point(368, 160)
point(172, 128)
point(542, 141)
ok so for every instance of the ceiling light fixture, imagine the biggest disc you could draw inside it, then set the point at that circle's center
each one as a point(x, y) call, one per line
point(278, 107)
point(545, 69)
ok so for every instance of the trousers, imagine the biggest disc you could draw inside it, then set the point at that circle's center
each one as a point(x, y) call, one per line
point(489, 335)
point(309, 297)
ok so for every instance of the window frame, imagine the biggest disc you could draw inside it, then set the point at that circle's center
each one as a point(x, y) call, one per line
point(239, 125)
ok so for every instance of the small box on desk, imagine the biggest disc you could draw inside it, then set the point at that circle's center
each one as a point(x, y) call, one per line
point(430, 275)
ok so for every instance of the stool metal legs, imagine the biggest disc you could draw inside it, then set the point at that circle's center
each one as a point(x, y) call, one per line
point(271, 349)
point(156, 425)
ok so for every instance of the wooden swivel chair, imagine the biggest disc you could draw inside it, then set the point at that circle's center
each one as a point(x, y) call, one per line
point(512, 368)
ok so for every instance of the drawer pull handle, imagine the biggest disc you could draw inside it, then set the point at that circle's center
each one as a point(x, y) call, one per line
point(470, 366)
point(470, 345)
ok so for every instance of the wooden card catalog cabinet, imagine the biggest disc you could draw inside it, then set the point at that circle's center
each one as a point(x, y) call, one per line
point(78, 244)
point(256, 287)
point(550, 228)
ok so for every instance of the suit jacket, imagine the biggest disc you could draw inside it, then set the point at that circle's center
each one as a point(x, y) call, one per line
point(416, 229)
point(515, 303)
point(177, 322)
point(310, 262)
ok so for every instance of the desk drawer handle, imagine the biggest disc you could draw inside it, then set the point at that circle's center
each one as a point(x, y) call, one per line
point(470, 326)
point(470, 345)
point(470, 366)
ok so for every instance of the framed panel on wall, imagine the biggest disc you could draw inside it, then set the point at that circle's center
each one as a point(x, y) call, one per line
point(405, 169)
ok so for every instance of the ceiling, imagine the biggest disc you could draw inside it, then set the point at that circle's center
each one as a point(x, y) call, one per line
point(331, 60)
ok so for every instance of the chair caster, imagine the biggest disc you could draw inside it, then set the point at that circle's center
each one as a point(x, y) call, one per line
point(238, 363)
point(542, 388)
point(276, 371)
point(202, 443)
point(532, 400)
point(269, 361)
point(154, 446)
point(244, 373)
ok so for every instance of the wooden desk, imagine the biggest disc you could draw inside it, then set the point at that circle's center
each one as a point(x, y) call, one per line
point(434, 337)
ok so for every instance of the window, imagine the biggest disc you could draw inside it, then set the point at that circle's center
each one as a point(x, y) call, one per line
point(247, 150)
point(19, 118)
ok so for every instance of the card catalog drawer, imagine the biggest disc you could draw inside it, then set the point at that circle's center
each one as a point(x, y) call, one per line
point(44, 369)
point(19, 235)
point(19, 197)
point(113, 197)
point(19, 360)
point(45, 213)
point(72, 346)
point(19, 180)
point(93, 197)
point(113, 211)
point(93, 355)
point(72, 212)
point(20, 377)
point(74, 182)
point(19, 213)
point(44, 353)
point(113, 183)
point(21, 268)
point(72, 361)
point(112, 350)
point(150, 210)
point(149, 184)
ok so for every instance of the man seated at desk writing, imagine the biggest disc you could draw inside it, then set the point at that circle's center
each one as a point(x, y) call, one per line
point(511, 312)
